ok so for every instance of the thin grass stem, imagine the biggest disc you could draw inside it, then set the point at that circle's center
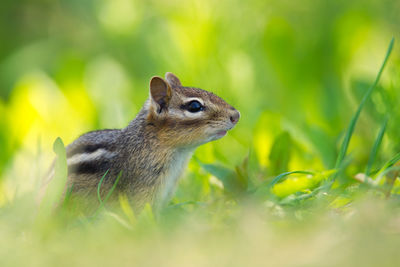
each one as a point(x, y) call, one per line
point(350, 129)
point(376, 147)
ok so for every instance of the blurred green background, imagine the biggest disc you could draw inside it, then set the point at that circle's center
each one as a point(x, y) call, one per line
point(296, 70)
point(67, 67)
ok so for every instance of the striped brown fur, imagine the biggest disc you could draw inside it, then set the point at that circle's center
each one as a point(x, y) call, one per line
point(153, 150)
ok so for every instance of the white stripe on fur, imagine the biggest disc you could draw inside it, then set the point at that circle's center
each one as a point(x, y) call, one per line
point(84, 157)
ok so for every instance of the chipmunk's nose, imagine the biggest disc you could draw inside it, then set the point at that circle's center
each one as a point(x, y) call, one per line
point(235, 117)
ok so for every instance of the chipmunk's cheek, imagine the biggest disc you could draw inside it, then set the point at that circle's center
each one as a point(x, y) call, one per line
point(200, 136)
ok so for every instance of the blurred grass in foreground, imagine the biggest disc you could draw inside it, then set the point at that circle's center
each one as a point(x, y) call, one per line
point(269, 193)
point(220, 235)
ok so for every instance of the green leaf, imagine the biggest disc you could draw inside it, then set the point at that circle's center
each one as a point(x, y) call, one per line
point(265, 188)
point(61, 169)
point(242, 172)
point(279, 156)
point(285, 174)
point(57, 184)
point(227, 176)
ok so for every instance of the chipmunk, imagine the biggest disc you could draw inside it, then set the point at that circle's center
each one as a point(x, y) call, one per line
point(152, 152)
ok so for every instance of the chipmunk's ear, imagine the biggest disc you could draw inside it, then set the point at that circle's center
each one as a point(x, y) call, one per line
point(160, 92)
point(172, 79)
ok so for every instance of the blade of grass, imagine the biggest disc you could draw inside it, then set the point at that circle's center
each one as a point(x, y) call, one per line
point(283, 175)
point(113, 187)
point(390, 163)
point(99, 186)
point(265, 187)
point(354, 119)
point(376, 147)
point(350, 129)
point(380, 176)
point(102, 202)
point(68, 195)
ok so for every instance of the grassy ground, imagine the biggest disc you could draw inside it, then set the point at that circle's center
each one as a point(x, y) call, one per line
point(365, 232)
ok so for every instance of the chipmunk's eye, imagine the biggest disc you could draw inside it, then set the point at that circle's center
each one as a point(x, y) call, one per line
point(194, 106)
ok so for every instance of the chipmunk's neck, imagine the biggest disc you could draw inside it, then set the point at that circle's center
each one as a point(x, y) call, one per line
point(160, 164)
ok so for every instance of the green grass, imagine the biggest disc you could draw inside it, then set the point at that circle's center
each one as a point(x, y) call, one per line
point(307, 178)
point(353, 122)
point(243, 222)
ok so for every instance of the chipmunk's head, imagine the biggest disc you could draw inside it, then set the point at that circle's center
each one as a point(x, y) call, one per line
point(187, 116)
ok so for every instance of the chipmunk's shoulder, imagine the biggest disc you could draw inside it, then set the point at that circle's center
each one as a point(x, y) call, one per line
point(93, 152)
point(94, 140)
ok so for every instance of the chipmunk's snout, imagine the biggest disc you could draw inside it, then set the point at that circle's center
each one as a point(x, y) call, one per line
point(234, 117)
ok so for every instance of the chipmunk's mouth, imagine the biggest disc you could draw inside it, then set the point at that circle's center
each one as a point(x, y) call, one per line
point(221, 133)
